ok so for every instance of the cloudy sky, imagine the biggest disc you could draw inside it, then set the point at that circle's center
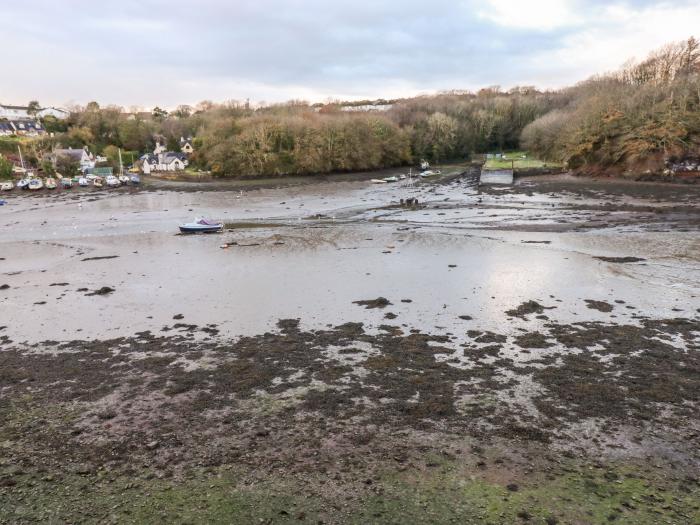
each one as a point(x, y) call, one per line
point(169, 52)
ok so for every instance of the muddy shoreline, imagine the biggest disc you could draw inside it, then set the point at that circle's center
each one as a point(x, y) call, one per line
point(524, 354)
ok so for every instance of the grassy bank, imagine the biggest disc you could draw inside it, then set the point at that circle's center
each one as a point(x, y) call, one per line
point(519, 160)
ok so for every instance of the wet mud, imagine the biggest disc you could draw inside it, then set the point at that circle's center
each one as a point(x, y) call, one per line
point(528, 354)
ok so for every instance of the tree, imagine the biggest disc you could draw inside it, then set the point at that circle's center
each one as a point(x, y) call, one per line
point(159, 114)
point(33, 108)
point(136, 135)
point(54, 125)
point(112, 154)
point(67, 165)
point(47, 167)
point(5, 168)
point(173, 144)
point(79, 136)
point(183, 111)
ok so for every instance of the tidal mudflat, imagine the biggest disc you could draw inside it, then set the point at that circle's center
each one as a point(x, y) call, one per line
point(524, 353)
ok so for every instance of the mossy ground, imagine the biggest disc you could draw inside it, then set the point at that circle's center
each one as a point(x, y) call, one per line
point(445, 493)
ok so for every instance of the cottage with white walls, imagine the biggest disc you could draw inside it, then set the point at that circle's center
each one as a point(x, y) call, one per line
point(14, 112)
point(160, 148)
point(22, 113)
point(31, 128)
point(81, 156)
point(168, 161)
point(186, 145)
point(60, 114)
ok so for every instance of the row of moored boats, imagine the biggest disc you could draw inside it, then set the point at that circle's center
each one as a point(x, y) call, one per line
point(37, 183)
point(394, 178)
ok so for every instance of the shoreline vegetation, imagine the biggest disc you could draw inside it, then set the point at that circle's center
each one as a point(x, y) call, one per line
point(643, 119)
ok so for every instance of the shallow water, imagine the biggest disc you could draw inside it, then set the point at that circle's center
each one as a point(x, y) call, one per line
point(506, 248)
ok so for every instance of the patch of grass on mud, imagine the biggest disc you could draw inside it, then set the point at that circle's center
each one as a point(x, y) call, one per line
point(442, 493)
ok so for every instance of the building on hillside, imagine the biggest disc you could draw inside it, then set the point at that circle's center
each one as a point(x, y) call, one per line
point(30, 128)
point(366, 107)
point(186, 145)
point(15, 112)
point(60, 114)
point(81, 156)
point(168, 161)
point(22, 113)
point(6, 128)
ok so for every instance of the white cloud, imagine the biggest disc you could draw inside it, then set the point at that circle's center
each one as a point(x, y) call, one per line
point(314, 49)
point(612, 35)
point(535, 14)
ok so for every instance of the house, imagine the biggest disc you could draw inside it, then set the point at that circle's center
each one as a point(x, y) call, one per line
point(27, 127)
point(22, 113)
point(168, 161)
point(6, 128)
point(60, 114)
point(81, 156)
point(186, 145)
point(15, 112)
point(160, 148)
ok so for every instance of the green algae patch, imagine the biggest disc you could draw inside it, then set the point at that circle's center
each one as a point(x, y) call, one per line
point(441, 492)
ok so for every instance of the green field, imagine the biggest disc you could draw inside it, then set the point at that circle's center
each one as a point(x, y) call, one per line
point(515, 160)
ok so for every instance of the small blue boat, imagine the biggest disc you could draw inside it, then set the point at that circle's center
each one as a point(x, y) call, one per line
point(135, 179)
point(201, 226)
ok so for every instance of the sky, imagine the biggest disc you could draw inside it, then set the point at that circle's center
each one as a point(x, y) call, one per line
point(170, 52)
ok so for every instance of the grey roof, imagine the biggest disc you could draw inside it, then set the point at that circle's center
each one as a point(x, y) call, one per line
point(170, 156)
point(27, 125)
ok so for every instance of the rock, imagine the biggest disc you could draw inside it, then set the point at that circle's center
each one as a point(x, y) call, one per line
point(82, 469)
point(7, 481)
point(4, 286)
point(152, 445)
point(601, 306)
point(102, 291)
point(379, 302)
point(178, 316)
point(620, 259)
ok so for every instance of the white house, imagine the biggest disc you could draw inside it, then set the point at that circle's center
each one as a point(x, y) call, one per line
point(81, 156)
point(31, 128)
point(168, 161)
point(14, 112)
point(186, 145)
point(160, 148)
point(60, 114)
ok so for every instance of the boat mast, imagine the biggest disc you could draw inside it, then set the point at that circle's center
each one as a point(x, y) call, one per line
point(121, 167)
point(21, 160)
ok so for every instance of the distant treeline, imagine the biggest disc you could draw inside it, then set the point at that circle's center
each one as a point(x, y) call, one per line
point(643, 113)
